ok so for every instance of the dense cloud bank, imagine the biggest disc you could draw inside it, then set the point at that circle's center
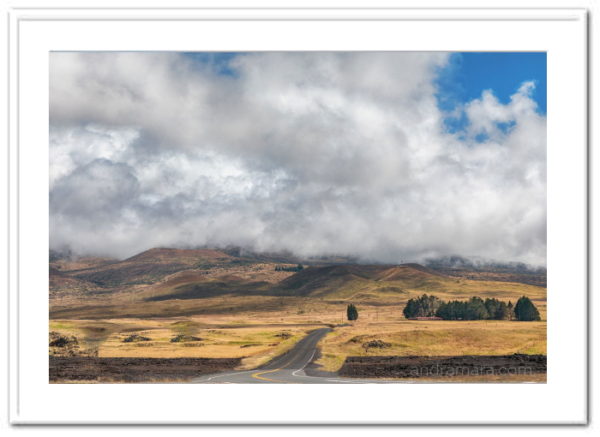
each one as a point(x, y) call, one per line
point(312, 153)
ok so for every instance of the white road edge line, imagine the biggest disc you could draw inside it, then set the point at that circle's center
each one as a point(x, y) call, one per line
point(295, 373)
point(305, 364)
point(225, 374)
point(248, 371)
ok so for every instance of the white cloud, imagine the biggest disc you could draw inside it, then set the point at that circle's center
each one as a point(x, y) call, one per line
point(316, 153)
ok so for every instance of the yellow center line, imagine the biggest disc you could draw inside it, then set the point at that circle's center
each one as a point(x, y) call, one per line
point(257, 374)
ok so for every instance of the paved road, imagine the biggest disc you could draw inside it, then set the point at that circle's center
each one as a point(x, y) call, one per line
point(286, 369)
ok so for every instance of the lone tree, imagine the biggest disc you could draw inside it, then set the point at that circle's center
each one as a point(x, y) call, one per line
point(352, 312)
point(525, 310)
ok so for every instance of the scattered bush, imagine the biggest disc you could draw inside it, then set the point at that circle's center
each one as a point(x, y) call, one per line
point(377, 344)
point(68, 346)
point(182, 338)
point(58, 340)
point(135, 338)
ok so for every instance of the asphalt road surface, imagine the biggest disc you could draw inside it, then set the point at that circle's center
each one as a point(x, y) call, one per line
point(286, 369)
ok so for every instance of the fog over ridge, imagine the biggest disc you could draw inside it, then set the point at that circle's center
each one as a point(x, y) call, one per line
point(311, 153)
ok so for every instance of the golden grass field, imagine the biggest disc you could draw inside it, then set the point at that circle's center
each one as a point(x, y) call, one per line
point(433, 338)
point(254, 335)
point(256, 344)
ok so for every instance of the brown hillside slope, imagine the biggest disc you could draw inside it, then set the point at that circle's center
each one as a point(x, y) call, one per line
point(184, 256)
point(150, 266)
point(347, 280)
point(62, 284)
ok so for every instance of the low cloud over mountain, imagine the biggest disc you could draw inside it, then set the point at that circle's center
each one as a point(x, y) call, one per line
point(311, 153)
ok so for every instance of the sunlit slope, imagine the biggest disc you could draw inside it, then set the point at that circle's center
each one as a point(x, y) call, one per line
point(399, 282)
point(345, 282)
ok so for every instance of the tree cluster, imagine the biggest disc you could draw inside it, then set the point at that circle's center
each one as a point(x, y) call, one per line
point(424, 306)
point(473, 309)
point(296, 268)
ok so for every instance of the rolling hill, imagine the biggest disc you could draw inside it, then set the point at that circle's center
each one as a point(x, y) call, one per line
point(147, 267)
point(324, 282)
point(191, 280)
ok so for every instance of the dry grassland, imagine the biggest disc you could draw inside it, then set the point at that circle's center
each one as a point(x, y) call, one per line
point(433, 338)
point(256, 344)
point(256, 337)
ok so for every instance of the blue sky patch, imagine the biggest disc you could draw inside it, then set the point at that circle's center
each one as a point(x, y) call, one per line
point(463, 79)
point(218, 61)
point(468, 74)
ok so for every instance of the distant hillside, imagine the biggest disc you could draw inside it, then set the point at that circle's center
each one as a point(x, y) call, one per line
point(459, 262)
point(481, 270)
point(78, 263)
point(347, 280)
point(288, 258)
point(61, 283)
point(330, 282)
point(182, 256)
point(339, 282)
point(149, 266)
point(181, 274)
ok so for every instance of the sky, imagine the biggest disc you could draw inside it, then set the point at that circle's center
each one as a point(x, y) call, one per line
point(383, 156)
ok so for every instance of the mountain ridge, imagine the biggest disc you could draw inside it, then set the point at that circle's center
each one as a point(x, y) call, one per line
point(196, 273)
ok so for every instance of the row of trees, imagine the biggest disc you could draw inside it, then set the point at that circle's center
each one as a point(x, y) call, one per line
point(475, 309)
point(296, 268)
point(472, 309)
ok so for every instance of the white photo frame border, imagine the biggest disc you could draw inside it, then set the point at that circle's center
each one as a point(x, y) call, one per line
point(562, 33)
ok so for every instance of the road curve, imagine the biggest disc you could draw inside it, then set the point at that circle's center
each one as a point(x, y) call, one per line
point(285, 369)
